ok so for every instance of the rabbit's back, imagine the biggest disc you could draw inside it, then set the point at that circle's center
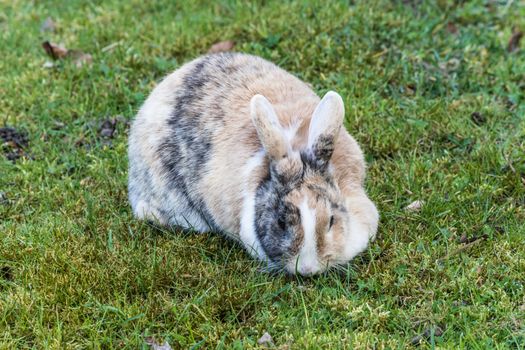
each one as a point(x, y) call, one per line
point(193, 137)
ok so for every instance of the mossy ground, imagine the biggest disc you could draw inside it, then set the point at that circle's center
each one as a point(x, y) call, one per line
point(433, 96)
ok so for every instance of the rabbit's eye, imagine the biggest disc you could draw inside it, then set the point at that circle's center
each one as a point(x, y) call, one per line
point(281, 223)
point(331, 222)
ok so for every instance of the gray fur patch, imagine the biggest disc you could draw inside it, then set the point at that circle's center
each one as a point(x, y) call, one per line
point(321, 152)
point(277, 221)
point(192, 125)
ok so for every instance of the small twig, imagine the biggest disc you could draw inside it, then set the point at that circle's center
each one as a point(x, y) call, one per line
point(111, 46)
point(459, 250)
point(465, 240)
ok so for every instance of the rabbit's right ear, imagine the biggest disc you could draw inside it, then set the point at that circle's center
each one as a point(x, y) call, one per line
point(270, 131)
point(325, 126)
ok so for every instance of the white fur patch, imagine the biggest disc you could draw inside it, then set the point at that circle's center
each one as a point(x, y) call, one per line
point(248, 235)
point(357, 241)
point(362, 226)
point(308, 262)
point(144, 211)
point(290, 132)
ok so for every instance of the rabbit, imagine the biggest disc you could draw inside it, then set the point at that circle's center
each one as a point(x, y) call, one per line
point(232, 143)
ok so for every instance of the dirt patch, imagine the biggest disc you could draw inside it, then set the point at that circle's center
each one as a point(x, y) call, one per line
point(14, 143)
point(6, 273)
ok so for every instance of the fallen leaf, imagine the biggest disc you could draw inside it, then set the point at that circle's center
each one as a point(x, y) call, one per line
point(265, 339)
point(222, 46)
point(452, 28)
point(55, 51)
point(410, 89)
point(157, 346)
point(514, 41)
point(478, 118)
point(415, 206)
point(48, 25)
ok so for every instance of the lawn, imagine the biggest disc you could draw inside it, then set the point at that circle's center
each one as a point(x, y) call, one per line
point(434, 94)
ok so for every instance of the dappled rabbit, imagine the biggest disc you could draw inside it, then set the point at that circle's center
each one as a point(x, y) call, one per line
point(234, 144)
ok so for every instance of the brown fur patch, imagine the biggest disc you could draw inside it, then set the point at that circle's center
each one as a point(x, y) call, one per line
point(294, 198)
point(322, 198)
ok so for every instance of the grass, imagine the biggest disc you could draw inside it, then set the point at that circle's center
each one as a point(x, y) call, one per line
point(433, 96)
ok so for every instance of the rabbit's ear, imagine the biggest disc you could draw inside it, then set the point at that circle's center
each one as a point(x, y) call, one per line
point(324, 128)
point(270, 131)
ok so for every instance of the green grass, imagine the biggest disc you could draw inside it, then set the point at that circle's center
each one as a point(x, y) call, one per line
point(77, 271)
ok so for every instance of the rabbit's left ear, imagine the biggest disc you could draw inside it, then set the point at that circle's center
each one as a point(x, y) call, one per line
point(270, 131)
point(324, 128)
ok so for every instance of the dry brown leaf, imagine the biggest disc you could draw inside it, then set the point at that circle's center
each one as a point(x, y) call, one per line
point(410, 89)
point(514, 41)
point(55, 51)
point(222, 46)
point(452, 28)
